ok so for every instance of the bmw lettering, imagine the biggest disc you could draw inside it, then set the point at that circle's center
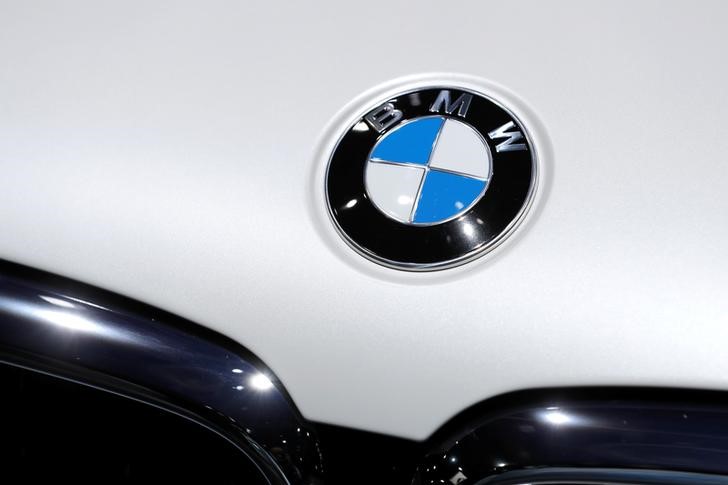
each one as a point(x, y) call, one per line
point(430, 179)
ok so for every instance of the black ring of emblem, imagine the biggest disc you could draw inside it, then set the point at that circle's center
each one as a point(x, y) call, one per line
point(412, 247)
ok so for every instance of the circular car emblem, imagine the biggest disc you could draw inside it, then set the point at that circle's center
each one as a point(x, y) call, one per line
point(431, 178)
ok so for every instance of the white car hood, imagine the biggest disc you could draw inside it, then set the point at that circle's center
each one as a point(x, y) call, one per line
point(171, 152)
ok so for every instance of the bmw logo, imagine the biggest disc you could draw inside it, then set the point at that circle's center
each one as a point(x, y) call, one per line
point(430, 179)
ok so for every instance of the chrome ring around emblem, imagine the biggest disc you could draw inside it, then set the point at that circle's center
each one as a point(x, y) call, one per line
point(430, 178)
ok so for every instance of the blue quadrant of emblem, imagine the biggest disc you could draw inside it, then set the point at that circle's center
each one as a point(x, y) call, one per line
point(444, 195)
point(410, 143)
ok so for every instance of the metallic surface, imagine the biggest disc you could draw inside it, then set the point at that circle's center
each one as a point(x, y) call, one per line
point(53, 324)
point(462, 103)
point(453, 241)
point(168, 151)
point(559, 436)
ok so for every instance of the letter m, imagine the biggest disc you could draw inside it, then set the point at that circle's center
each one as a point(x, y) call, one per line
point(443, 100)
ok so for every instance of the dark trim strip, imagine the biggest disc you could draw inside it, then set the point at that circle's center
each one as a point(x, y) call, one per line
point(75, 331)
point(609, 428)
point(602, 476)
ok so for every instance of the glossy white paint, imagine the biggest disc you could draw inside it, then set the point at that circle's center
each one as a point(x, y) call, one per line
point(171, 151)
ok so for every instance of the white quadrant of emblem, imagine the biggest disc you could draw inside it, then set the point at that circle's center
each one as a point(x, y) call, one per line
point(449, 159)
point(393, 188)
point(461, 149)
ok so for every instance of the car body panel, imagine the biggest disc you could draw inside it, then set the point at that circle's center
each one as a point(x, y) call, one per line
point(171, 152)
